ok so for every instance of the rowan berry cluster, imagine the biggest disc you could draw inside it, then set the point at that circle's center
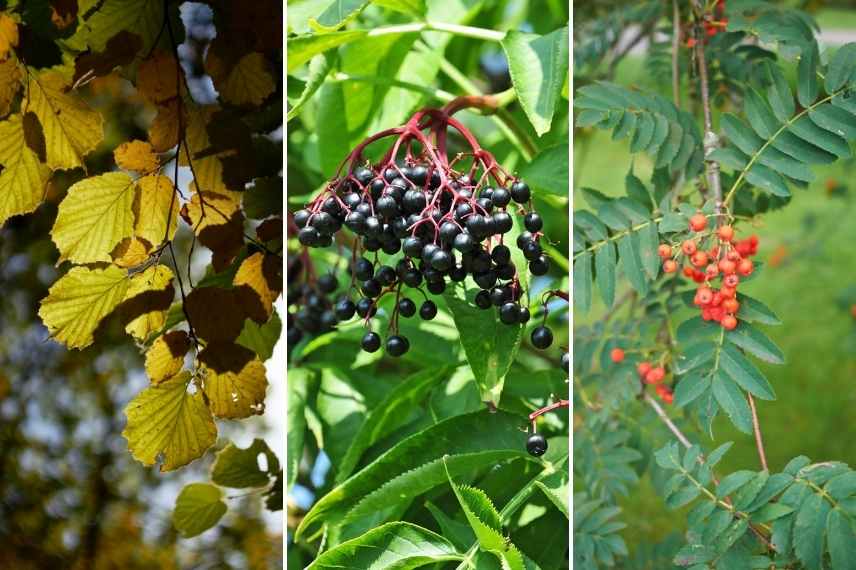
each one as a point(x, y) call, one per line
point(726, 260)
point(446, 219)
point(714, 23)
point(654, 375)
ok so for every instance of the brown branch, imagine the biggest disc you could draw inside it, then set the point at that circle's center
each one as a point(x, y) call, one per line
point(676, 42)
point(759, 440)
point(711, 139)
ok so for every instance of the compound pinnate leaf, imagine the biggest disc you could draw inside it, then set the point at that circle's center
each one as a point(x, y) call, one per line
point(23, 177)
point(157, 218)
point(166, 421)
point(239, 468)
point(94, 217)
point(77, 303)
point(235, 380)
point(165, 358)
point(490, 346)
point(71, 129)
point(392, 545)
point(138, 156)
point(247, 82)
point(198, 507)
point(538, 66)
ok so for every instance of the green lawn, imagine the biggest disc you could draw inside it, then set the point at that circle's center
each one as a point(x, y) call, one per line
point(817, 387)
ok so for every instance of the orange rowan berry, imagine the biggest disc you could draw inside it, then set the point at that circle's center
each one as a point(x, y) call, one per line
point(698, 222)
point(617, 355)
point(731, 281)
point(733, 255)
point(699, 276)
point(670, 266)
point(711, 271)
point(643, 368)
point(668, 397)
point(699, 259)
point(727, 266)
point(688, 247)
point(745, 267)
point(655, 375)
point(689, 272)
point(729, 322)
point(853, 311)
point(664, 251)
point(704, 295)
point(726, 233)
point(731, 305)
point(727, 292)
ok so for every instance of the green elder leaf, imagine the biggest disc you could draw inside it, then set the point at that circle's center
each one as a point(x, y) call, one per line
point(298, 381)
point(840, 70)
point(391, 413)
point(538, 66)
point(166, 421)
point(94, 217)
point(304, 47)
point(548, 171)
point(23, 177)
point(556, 487)
point(78, 302)
point(319, 68)
point(198, 507)
point(490, 345)
point(731, 399)
point(240, 468)
point(840, 541)
point(756, 343)
point(605, 263)
point(338, 14)
point(415, 465)
point(395, 545)
point(746, 374)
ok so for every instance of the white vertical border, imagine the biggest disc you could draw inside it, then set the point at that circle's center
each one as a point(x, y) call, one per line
point(571, 281)
point(284, 354)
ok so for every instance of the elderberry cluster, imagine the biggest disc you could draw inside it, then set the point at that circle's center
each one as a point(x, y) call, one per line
point(313, 312)
point(446, 225)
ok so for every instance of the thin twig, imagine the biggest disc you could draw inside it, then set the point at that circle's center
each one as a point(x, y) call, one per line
point(676, 37)
point(756, 427)
point(667, 420)
point(711, 139)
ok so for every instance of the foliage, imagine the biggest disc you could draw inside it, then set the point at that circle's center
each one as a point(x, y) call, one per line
point(421, 459)
point(767, 116)
point(195, 162)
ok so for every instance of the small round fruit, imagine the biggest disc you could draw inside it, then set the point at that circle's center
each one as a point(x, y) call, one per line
point(428, 310)
point(664, 251)
point(406, 307)
point(483, 300)
point(533, 222)
point(725, 233)
point(345, 309)
point(542, 337)
point(617, 355)
point(397, 345)
point(698, 222)
point(745, 267)
point(370, 342)
point(508, 313)
point(729, 322)
point(689, 247)
point(328, 283)
point(536, 445)
point(643, 368)
point(520, 192)
point(670, 266)
point(699, 259)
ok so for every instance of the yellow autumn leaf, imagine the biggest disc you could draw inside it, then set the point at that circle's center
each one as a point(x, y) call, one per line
point(23, 178)
point(234, 380)
point(8, 35)
point(167, 421)
point(259, 281)
point(215, 313)
point(131, 252)
point(10, 84)
point(158, 209)
point(72, 130)
point(94, 217)
point(247, 82)
point(135, 155)
point(207, 170)
point(163, 132)
point(79, 301)
point(165, 358)
point(96, 28)
point(150, 293)
point(157, 77)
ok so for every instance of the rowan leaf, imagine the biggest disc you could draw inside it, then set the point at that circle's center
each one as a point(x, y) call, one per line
point(23, 177)
point(198, 507)
point(167, 422)
point(235, 380)
point(247, 82)
point(136, 155)
point(94, 217)
point(165, 358)
point(80, 300)
point(72, 130)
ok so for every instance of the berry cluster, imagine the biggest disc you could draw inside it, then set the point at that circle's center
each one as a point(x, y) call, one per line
point(313, 312)
point(448, 220)
point(714, 23)
point(727, 260)
point(654, 375)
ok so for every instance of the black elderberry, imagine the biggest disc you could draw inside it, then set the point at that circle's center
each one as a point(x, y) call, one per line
point(390, 174)
point(412, 247)
point(376, 188)
point(531, 250)
point(325, 240)
point(505, 271)
point(331, 206)
point(442, 260)
point(429, 250)
point(486, 279)
point(481, 263)
point(308, 236)
point(365, 209)
point(500, 197)
point(482, 300)
point(397, 345)
point(477, 226)
point(370, 342)
point(485, 204)
point(428, 310)
point(363, 175)
point(324, 223)
point(524, 238)
point(448, 232)
point(457, 274)
point(373, 227)
point(520, 192)
point(542, 337)
point(413, 201)
point(363, 269)
point(371, 288)
point(294, 336)
point(500, 254)
point(523, 315)
point(536, 445)
point(419, 175)
point(386, 275)
point(328, 283)
point(436, 287)
point(356, 222)
point(499, 295)
point(502, 222)
point(533, 222)
point(435, 179)
point(406, 307)
point(486, 192)
point(301, 217)
point(463, 242)
point(345, 309)
point(539, 266)
point(366, 307)
point(509, 313)
point(400, 228)
point(328, 320)
point(412, 278)
point(387, 207)
point(463, 211)
point(352, 200)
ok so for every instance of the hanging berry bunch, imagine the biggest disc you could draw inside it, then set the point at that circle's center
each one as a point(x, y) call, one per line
point(726, 260)
point(447, 216)
point(309, 297)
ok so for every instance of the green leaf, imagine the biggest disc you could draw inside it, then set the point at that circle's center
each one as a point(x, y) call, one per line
point(740, 135)
point(298, 381)
point(835, 120)
point(390, 546)
point(304, 47)
point(649, 241)
point(319, 68)
point(732, 482)
point(771, 512)
point(731, 399)
point(605, 262)
point(239, 468)
point(779, 94)
point(337, 14)
point(754, 311)
point(809, 529)
point(490, 345)
point(582, 281)
point(767, 179)
point(760, 116)
point(807, 86)
point(392, 412)
point(198, 507)
point(745, 373)
point(840, 70)
point(538, 66)
point(415, 465)
point(261, 339)
point(548, 171)
point(690, 387)
point(414, 8)
point(459, 533)
point(756, 343)
point(631, 262)
point(840, 540)
point(556, 487)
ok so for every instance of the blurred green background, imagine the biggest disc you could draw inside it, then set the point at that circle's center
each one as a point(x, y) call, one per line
point(808, 281)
